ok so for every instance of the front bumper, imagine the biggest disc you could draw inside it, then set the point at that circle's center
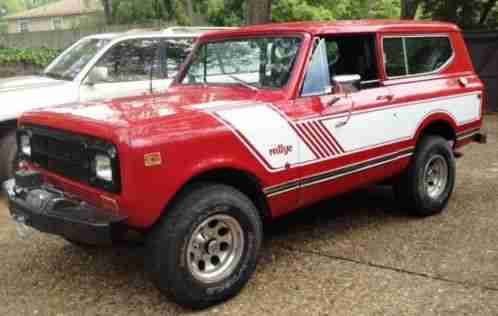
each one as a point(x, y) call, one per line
point(53, 211)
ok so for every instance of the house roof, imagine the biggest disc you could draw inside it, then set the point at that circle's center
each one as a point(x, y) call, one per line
point(59, 8)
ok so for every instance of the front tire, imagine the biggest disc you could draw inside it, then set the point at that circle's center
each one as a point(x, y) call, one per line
point(426, 186)
point(206, 247)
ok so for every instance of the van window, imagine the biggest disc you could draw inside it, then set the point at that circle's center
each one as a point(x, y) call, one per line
point(416, 55)
point(342, 55)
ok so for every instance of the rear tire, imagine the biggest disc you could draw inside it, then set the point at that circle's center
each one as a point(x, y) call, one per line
point(206, 247)
point(8, 155)
point(426, 186)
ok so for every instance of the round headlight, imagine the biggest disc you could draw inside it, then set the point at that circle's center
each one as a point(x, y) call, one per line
point(25, 144)
point(103, 167)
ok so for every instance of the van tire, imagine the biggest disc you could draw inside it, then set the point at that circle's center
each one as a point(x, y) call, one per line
point(180, 256)
point(425, 188)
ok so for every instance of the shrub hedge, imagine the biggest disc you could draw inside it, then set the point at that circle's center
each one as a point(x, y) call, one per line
point(37, 57)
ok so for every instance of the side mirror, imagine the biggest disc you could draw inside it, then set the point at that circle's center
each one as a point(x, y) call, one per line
point(348, 83)
point(96, 75)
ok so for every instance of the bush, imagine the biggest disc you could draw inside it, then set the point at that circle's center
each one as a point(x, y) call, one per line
point(37, 57)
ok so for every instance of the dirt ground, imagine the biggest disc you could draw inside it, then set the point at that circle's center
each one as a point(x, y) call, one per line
point(353, 255)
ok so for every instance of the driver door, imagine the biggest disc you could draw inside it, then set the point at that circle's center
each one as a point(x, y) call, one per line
point(332, 118)
point(129, 68)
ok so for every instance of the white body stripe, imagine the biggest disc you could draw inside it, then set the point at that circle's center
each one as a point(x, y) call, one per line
point(369, 129)
point(262, 128)
point(265, 129)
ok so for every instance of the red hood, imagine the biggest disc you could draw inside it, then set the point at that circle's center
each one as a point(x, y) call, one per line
point(139, 111)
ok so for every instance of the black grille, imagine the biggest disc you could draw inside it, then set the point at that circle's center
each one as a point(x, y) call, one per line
point(63, 157)
point(69, 155)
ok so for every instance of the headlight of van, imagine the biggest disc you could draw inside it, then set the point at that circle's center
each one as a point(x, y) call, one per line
point(103, 167)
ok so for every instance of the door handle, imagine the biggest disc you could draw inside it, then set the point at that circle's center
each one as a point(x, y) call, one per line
point(386, 97)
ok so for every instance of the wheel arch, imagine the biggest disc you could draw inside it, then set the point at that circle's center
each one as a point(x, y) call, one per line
point(242, 180)
point(441, 124)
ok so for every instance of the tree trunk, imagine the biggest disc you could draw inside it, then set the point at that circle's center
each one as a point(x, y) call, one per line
point(190, 11)
point(451, 8)
point(108, 11)
point(258, 11)
point(409, 9)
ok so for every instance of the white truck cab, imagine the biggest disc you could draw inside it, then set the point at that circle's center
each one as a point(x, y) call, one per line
point(97, 67)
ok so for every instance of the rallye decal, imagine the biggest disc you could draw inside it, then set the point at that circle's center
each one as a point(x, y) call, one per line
point(268, 134)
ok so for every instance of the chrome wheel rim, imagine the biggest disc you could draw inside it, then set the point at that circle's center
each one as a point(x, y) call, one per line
point(215, 248)
point(435, 176)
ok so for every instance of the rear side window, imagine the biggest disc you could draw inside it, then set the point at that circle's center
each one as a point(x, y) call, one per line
point(405, 56)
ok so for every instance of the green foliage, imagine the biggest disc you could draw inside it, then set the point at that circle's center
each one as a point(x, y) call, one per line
point(298, 10)
point(476, 14)
point(225, 12)
point(38, 57)
point(3, 27)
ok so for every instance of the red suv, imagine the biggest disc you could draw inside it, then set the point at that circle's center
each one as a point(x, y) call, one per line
point(260, 121)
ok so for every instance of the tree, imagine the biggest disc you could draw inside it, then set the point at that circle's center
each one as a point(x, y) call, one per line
point(11, 6)
point(107, 4)
point(258, 11)
point(409, 9)
point(477, 14)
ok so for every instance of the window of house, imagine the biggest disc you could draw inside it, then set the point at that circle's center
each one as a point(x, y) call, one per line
point(406, 56)
point(57, 23)
point(133, 60)
point(23, 25)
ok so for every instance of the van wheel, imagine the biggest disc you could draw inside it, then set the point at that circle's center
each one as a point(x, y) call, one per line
point(426, 186)
point(8, 156)
point(206, 247)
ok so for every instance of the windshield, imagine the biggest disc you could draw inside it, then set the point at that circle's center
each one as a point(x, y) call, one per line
point(253, 63)
point(73, 60)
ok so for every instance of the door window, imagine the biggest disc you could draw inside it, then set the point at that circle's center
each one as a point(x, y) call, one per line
point(344, 55)
point(133, 60)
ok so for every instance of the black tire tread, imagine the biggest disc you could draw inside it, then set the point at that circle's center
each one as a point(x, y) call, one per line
point(405, 188)
point(167, 229)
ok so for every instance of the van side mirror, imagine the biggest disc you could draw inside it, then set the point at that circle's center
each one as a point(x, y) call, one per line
point(97, 75)
point(348, 83)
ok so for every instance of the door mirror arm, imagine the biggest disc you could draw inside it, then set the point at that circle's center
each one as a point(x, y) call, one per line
point(346, 83)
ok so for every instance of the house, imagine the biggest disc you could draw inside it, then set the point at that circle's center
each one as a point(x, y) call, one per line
point(61, 15)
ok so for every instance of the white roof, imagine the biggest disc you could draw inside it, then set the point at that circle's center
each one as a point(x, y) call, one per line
point(172, 32)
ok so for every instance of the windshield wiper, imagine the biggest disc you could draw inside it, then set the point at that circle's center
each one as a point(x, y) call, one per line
point(243, 83)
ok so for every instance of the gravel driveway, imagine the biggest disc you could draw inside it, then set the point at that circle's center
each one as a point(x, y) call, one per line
point(354, 255)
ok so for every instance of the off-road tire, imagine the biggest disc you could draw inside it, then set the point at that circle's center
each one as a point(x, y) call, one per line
point(8, 155)
point(168, 244)
point(410, 190)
